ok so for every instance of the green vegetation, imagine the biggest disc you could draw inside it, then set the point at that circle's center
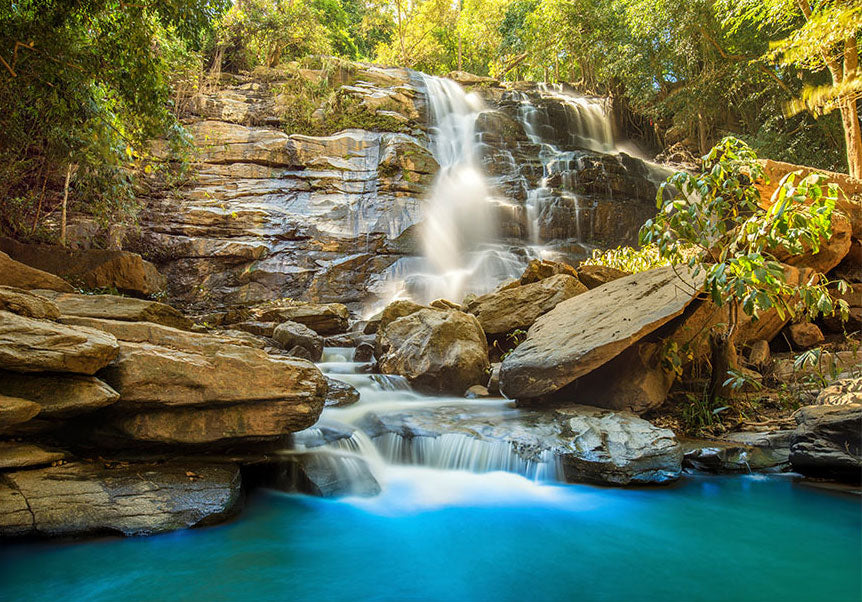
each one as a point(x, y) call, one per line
point(719, 213)
point(628, 259)
point(87, 85)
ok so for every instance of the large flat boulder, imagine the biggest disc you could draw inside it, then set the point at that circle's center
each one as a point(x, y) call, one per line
point(27, 455)
point(246, 422)
point(157, 334)
point(90, 268)
point(572, 443)
point(14, 273)
point(151, 376)
point(828, 442)
point(59, 395)
point(585, 332)
point(508, 309)
point(14, 410)
point(113, 307)
point(291, 335)
point(138, 499)
point(323, 318)
point(435, 350)
point(28, 345)
point(18, 301)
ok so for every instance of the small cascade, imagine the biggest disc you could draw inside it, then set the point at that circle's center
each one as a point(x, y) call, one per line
point(453, 451)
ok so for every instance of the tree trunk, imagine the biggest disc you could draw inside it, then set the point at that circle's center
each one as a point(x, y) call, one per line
point(701, 134)
point(723, 359)
point(852, 137)
point(65, 202)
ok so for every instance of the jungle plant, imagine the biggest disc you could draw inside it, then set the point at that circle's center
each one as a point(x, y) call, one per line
point(719, 213)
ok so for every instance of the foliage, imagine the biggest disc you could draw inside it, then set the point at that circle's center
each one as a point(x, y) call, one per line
point(628, 259)
point(719, 212)
point(85, 86)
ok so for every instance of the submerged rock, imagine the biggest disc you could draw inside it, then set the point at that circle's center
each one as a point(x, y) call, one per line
point(573, 443)
point(585, 332)
point(435, 350)
point(827, 442)
point(340, 393)
point(136, 499)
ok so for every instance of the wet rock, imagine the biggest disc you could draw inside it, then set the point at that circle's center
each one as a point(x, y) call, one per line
point(539, 269)
point(14, 273)
point(505, 310)
point(435, 350)
point(574, 443)
point(494, 380)
point(586, 331)
point(324, 319)
point(395, 310)
point(340, 394)
point(476, 392)
point(28, 345)
point(322, 474)
point(18, 301)
point(112, 307)
point(739, 453)
point(90, 268)
point(804, 335)
point(27, 455)
point(293, 334)
point(59, 395)
point(827, 442)
point(594, 276)
point(364, 352)
point(138, 499)
point(14, 410)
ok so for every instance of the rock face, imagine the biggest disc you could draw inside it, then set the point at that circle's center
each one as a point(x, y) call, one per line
point(91, 268)
point(18, 301)
point(14, 273)
point(28, 345)
point(435, 350)
point(519, 307)
point(112, 307)
point(587, 331)
point(828, 442)
point(140, 499)
point(575, 443)
point(58, 395)
point(845, 391)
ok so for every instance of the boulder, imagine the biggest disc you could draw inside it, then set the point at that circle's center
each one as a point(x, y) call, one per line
point(739, 453)
point(156, 334)
point(393, 311)
point(759, 353)
point(493, 385)
point(585, 332)
point(151, 376)
point(853, 298)
point(476, 392)
point(137, 499)
point(14, 273)
point(804, 335)
point(364, 352)
point(340, 394)
point(27, 455)
point(293, 334)
point(323, 474)
point(28, 345)
point(571, 443)
point(244, 422)
point(445, 304)
point(14, 410)
point(90, 268)
point(539, 269)
point(506, 310)
point(594, 276)
point(59, 395)
point(827, 442)
point(112, 307)
point(324, 319)
point(827, 364)
point(830, 253)
point(635, 381)
point(435, 350)
point(261, 329)
point(18, 301)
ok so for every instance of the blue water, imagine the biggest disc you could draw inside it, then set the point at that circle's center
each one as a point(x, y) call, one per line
point(459, 536)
